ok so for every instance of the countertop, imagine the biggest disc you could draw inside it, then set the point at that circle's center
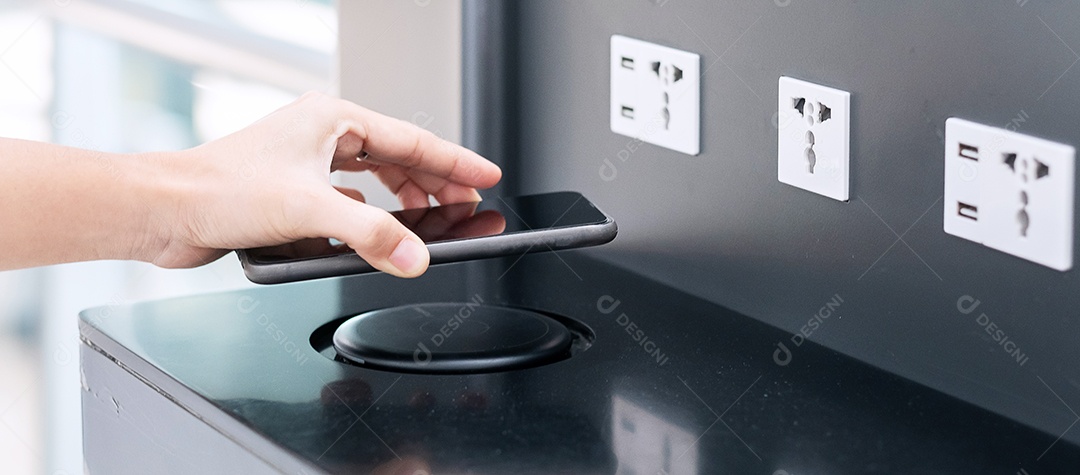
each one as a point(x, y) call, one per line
point(670, 384)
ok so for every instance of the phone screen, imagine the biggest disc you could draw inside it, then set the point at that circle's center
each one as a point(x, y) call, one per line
point(461, 221)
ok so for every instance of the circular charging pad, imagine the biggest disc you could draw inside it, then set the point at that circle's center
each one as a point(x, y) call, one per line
point(451, 338)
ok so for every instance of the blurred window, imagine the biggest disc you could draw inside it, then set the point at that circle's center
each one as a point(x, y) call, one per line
point(127, 76)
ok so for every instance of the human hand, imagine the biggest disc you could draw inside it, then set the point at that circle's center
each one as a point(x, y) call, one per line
point(268, 184)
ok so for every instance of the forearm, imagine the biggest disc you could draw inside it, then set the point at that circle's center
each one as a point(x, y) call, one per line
point(264, 185)
point(60, 204)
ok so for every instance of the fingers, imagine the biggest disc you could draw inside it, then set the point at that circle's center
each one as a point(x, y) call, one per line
point(411, 196)
point(408, 192)
point(401, 143)
point(455, 193)
point(375, 235)
point(349, 146)
point(408, 185)
point(357, 130)
point(352, 193)
point(446, 192)
point(354, 165)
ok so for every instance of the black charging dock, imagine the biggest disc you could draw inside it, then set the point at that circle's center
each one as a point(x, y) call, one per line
point(452, 338)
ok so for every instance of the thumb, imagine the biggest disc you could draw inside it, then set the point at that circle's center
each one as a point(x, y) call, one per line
point(374, 234)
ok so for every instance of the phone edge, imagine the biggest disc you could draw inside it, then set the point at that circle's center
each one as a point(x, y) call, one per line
point(547, 240)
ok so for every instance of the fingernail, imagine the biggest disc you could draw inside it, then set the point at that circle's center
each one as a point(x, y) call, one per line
point(408, 256)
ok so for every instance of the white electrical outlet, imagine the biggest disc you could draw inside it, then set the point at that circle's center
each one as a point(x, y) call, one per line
point(656, 94)
point(813, 141)
point(1010, 192)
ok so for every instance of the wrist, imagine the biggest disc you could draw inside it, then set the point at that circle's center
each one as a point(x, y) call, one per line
point(155, 192)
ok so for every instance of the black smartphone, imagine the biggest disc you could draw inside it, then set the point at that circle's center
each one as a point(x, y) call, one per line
point(457, 232)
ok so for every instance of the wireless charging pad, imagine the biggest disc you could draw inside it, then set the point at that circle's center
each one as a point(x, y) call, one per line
point(451, 338)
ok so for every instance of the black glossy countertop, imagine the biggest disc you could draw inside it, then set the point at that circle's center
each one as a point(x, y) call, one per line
point(671, 384)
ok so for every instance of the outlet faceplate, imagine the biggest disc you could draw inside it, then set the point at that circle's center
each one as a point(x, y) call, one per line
point(656, 94)
point(1010, 192)
point(813, 141)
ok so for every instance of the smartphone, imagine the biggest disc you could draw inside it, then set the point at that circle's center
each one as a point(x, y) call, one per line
point(453, 233)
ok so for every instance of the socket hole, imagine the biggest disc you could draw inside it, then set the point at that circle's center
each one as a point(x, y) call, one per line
point(1024, 198)
point(811, 159)
point(667, 73)
point(799, 103)
point(809, 109)
point(628, 112)
point(824, 112)
point(1009, 158)
point(967, 211)
point(971, 153)
point(627, 63)
point(1042, 170)
point(1024, 220)
point(667, 117)
point(667, 99)
point(810, 138)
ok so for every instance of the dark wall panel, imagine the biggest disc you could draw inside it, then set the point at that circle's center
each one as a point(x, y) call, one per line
point(719, 225)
